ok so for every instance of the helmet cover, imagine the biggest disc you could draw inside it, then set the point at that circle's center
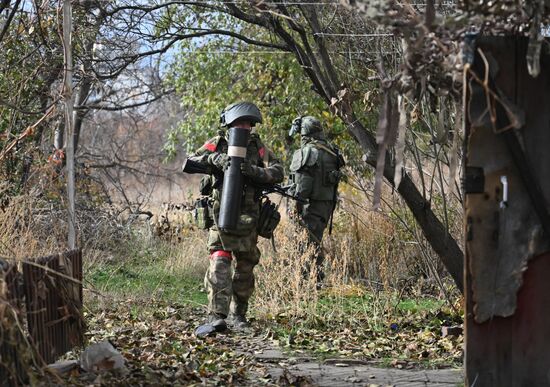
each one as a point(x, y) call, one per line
point(310, 125)
point(246, 111)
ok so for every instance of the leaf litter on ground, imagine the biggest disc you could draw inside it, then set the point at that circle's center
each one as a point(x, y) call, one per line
point(160, 348)
point(158, 343)
point(406, 339)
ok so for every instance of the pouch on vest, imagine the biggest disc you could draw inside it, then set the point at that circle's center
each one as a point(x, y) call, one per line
point(332, 177)
point(269, 219)
point(201, 214)
point(205, 185)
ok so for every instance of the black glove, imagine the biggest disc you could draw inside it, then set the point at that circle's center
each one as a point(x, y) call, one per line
point(219, 160)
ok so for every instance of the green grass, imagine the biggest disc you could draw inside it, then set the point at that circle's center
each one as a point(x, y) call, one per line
point(420, 305)
point(148, 280)
point(146, 269)
point(348, 304)
point(358, 304)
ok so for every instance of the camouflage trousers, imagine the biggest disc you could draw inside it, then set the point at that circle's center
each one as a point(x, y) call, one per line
point(229, 288)
point(315, 216)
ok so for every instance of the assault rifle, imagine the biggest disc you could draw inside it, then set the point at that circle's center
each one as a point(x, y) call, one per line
point(193, 167)
point(280, 190)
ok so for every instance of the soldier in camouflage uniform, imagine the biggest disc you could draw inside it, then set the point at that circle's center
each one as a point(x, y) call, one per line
point(315, 173)
point(227, 292)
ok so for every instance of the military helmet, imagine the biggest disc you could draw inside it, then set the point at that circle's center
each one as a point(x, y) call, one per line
point(310, 125)
point(241, 111)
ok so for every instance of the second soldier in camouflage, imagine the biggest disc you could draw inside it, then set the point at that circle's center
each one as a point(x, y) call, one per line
point(315, 173)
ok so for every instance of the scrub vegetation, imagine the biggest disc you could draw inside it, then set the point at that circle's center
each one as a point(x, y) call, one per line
point(382, 303)
point(150, 81)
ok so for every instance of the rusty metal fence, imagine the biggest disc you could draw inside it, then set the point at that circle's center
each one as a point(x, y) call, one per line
point(12, 370)
point(44, 301)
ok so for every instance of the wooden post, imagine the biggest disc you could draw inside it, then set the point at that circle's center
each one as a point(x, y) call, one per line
point(69, 127)
point(507, 267)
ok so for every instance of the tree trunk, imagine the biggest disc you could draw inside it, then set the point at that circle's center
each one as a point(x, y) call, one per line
point(79, 113)
point(435, 232)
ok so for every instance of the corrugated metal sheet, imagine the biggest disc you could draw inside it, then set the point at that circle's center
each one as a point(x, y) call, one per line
point(50, 290)
point(54, 303)
point(12, 371)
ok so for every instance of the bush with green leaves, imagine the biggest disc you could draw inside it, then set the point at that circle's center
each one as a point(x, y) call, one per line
point(209, 76)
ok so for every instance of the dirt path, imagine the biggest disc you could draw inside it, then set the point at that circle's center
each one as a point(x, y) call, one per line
point(304, 370)
point(161, 349)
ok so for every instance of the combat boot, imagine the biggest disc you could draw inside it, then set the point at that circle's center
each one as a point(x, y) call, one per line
point(217, 321)
point(238, 321)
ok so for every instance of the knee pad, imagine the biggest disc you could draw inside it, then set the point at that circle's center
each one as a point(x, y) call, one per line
point(220, 254)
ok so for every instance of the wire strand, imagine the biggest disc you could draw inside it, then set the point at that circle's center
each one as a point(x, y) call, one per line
point(283, 52)
point(359, 35)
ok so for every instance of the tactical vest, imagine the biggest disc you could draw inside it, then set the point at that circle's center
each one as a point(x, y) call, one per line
point(322, 162)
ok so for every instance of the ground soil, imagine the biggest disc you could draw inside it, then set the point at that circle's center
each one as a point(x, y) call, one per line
point(160, 348)
point(300, 369)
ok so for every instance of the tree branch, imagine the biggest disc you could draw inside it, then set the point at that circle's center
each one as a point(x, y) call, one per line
point(123, 107)
point(330, 71)
point(130, 59)
point(9, 19)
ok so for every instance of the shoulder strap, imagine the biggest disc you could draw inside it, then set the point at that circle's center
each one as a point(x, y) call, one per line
point(325, 148)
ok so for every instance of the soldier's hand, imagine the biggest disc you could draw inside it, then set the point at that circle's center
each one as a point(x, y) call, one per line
point(219, 160)
point(247, 169)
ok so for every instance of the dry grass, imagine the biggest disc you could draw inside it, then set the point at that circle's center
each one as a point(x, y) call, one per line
point(28, 231)
point(371, 261)
point(147, 268)
point(189, 254)
point(33, 227)
point(282, 289)
point(370, 255)
point(280, 283)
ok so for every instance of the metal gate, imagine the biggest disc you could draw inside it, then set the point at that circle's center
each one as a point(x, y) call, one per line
point(48, 297)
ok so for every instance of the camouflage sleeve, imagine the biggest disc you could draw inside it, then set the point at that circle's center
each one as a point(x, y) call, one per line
point(202, 155)
point(273, 173)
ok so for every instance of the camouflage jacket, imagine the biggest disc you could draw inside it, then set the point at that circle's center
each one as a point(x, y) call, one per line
point(270, 172)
